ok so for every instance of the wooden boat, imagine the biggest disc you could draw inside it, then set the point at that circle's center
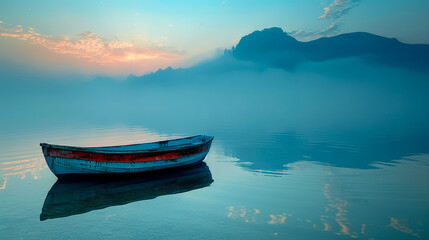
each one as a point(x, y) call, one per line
point(66, 161)
point(67, 198)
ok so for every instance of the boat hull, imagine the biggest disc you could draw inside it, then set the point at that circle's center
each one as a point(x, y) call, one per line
point(71, 162)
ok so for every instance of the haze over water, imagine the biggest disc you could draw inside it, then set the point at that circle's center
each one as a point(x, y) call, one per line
point(318, 134)
point(304, 170)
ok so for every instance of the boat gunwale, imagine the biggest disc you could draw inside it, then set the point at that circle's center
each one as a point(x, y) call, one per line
point(151, 150)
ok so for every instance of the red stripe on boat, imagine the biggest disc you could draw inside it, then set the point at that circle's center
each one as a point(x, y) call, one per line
point(126, 157)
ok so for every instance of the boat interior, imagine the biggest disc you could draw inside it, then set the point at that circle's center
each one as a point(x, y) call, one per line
point(194, 140)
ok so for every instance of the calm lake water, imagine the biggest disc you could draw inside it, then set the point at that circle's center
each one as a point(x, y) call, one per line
point(314, 153)
point(256, 184)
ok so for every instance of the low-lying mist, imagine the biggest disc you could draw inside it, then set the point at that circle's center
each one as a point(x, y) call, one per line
point(340, 94)
point(311, 110)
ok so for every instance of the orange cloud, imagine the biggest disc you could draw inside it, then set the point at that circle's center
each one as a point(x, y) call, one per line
point(10, 35)
point(92, 48)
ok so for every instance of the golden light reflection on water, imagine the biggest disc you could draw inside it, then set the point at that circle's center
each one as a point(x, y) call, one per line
point(362, 231)
point(248, 215)
point(278, 219)
point(3, 186)
point(403, 226)
point(22, 168)
point(252, 215)
point(336, 217)
point(337, 206)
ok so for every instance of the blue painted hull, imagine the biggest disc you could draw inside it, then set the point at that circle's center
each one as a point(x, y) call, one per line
point(64, 160)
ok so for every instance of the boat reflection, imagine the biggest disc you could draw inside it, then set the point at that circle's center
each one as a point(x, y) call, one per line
point(67, 198)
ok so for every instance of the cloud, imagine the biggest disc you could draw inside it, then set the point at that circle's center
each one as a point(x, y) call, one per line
point(304, 35)
point(333, 12)
point(93, 48)
point(331, 30)
point(301, 35)
point(338, 8)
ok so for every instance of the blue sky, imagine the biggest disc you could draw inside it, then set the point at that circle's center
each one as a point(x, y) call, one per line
point(154, 34)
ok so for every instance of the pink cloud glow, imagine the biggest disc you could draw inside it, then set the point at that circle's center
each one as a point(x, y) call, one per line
point(91, 47)
point(337, 8)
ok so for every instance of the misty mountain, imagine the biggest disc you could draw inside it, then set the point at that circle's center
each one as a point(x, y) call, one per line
point(275, 48)
point(356, 83)
point(330, 99)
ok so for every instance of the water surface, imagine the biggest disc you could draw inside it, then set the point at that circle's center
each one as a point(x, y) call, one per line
point(333, 150)
point(257, 184)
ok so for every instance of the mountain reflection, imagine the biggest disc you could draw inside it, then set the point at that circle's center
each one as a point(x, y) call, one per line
point(271, 153)
point(67, 198)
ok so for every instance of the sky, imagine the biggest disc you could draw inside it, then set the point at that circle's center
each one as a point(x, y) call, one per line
point(118, 38)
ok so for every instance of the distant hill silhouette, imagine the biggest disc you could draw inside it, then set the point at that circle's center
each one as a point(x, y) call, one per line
point(351, 84)
point(275, 48)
